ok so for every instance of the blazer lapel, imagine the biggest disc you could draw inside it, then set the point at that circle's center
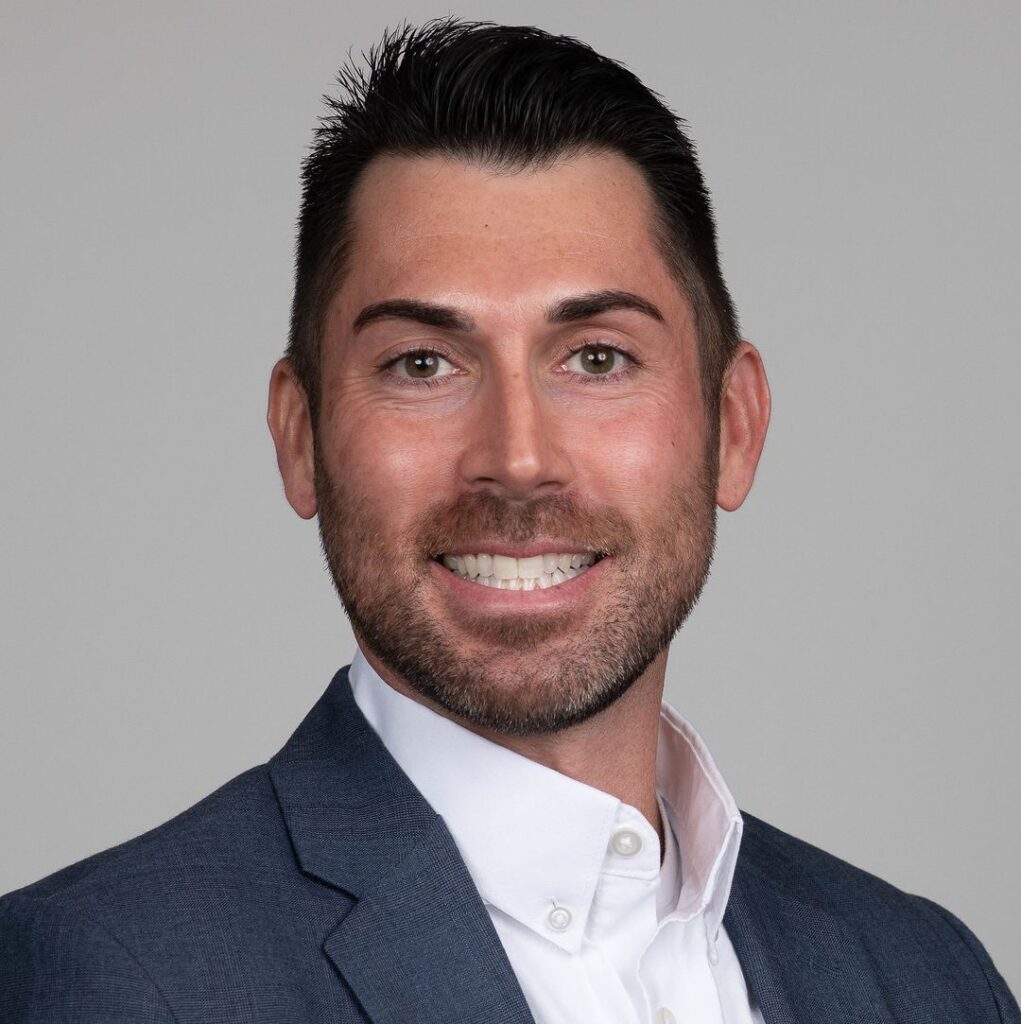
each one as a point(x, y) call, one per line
point(802, 964)
point(421, 947)
point(417, 944)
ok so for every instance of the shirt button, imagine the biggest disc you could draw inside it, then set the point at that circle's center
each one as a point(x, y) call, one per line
point(559, 919)
point(626, 842)
point(664, 1016)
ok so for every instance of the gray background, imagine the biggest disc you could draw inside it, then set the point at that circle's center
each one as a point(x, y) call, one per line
point(166, 619)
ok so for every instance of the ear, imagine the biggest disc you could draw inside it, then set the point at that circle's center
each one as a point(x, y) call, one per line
point(744, 417)
point(290, 423)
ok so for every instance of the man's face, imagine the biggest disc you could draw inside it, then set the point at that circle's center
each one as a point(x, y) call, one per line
point(509, 372)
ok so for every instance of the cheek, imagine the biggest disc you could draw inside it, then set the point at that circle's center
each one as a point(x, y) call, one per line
point(396, 464)
point(637, 459)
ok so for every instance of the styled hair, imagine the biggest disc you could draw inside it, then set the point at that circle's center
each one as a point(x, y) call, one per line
point(509, 97)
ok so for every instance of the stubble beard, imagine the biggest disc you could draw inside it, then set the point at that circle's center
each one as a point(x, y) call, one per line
point(526, 674)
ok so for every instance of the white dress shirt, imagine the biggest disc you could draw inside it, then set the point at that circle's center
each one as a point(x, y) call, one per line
point(595, 928)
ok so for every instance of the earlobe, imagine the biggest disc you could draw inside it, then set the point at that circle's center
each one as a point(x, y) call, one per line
point(290, 424)
point(744, 418)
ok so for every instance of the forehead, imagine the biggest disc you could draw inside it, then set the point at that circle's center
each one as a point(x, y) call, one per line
point(443, 226)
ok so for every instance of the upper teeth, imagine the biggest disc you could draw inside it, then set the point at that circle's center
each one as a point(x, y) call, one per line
point(506, 573)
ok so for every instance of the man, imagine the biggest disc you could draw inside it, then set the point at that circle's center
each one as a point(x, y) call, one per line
point(514, 395)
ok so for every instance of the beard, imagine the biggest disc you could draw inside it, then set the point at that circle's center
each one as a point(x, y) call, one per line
point(531, 673)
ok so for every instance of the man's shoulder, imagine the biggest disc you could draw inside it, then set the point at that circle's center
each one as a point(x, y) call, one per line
point(211, 873)
point(232, 836)
point(813, 875)
point(217, 835)
point(226, 872)
point(909, 937)
point(207, 907)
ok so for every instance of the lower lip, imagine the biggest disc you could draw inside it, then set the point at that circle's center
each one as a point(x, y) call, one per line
point(479, 596)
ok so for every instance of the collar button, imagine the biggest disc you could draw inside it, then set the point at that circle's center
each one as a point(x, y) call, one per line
point(559, 919)
point(626, 842)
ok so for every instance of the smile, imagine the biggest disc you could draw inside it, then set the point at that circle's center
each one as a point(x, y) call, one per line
point(536, 572)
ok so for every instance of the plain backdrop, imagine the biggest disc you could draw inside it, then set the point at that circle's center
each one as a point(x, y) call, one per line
point(166, 618)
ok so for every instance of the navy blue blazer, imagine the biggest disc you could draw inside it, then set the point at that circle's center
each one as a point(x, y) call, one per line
point(321, 887)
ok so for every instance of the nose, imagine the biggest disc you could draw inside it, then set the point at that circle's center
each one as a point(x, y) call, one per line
point(516, 446)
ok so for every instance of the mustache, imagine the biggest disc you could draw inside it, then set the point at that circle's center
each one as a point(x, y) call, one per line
point(482, 515)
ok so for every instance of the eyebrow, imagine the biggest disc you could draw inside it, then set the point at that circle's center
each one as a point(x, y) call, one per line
point(444, 318)
point(447, 318)
point(582, 307)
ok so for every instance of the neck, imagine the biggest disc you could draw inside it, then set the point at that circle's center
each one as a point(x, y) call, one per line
point(613, 751)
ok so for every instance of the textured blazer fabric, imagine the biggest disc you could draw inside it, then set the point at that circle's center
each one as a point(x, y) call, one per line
point(321, 887)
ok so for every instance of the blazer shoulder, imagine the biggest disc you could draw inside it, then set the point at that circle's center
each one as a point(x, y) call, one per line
point(809, 872)
point(209, 913)
point(897, 926)
point(1006, 1004)
point(218, 830)
point(79, 944)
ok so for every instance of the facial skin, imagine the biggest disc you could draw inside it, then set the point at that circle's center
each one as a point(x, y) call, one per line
point(481, 424)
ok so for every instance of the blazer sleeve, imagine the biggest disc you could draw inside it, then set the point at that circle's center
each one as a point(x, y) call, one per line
point(1006, 1004)
point(58, 967)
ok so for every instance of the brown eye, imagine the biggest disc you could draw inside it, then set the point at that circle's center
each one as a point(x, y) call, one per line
point(421, 365)
point(596, 360)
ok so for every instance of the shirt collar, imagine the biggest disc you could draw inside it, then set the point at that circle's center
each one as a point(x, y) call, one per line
point(534, 839)
point(706, 819)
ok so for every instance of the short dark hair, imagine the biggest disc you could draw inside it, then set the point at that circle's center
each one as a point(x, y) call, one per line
point(509, 96)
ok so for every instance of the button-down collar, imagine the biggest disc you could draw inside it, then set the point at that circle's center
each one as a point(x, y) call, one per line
point(536, 841)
